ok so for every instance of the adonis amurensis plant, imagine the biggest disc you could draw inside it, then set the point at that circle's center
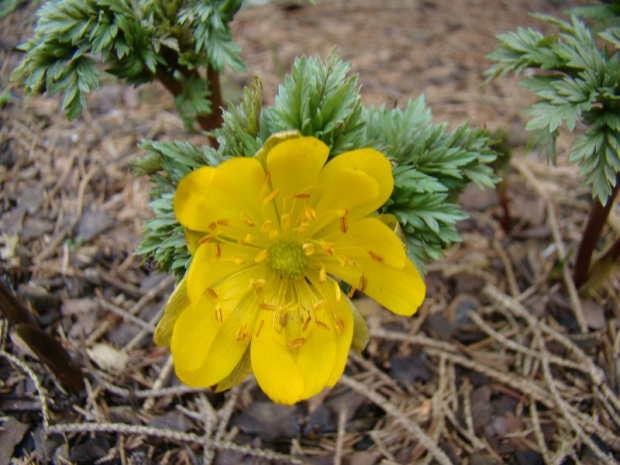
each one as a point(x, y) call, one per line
point(286, 211)
point(577, 82)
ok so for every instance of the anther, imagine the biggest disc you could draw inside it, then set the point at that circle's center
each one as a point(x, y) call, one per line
point(301, 195)
point(320, 324)
point(218, 314)
point(266, 306)
point(271, 196)
point(218, 250)
point(351, 293)
point(261, 256)
point(344, 224)
point(285, 221)
point(309, 213)
point(242, 333)
point(375, 257)
point(211, 293)
point(362, 283)
point(339, 324)
point(308, 249)
point(322, 274)
point(306, 324)
point(338, 291)
point(223, 222)
point(295, 343)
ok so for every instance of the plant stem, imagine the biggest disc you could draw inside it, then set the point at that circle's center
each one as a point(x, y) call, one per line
point(175, 87)
point(214, 120)
point(591, 234)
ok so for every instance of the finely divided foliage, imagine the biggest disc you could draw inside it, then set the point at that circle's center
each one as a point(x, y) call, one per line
point(432, 167)
point(578, 82)
point(134, 40)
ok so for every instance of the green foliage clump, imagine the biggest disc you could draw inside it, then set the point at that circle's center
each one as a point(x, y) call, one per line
point(431, 164)
point(432, 168)
point(576, 81)
point(136, 40)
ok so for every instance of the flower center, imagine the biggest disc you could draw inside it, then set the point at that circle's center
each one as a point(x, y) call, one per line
point(287, 259)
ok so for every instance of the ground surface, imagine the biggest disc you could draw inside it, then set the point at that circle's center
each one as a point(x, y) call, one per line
point(493, 369)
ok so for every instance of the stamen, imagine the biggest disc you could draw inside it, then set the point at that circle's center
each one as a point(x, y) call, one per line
point(211, 293)
point(375, 257)
point(223, 222)
point(260, 326)
point(218, 250)
point(205, 239)
point(322, 274)
point(302, 228)
point(266, 306)
point(309, 213)
point(301, 195)
point(246, 240)
point(267, 180)
point(339, 324)
point(351, 292)
point(362, 283)
point(267, 225)
point(295, 343)
point(218, 314)
point(285, 221)
point(257, 283)
point(271, 196)
point(344, 224)
point(320, 324)
point(261, 256)
point(242, 333)
point(338, 291)
point(213, 226)
point(239, 260)
point(306, 324)
point(308, 249)
point(246, 219)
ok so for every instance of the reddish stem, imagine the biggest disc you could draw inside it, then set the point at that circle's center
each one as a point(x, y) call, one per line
point(591, 234)
point(206, 122)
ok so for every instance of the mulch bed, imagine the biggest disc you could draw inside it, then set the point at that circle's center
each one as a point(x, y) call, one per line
point(504, 363)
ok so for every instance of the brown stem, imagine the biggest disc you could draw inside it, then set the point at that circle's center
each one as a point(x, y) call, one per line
point(175, 87)
point(591, 234)
point(214, 120)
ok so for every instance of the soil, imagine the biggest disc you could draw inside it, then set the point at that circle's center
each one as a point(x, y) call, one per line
point(504, 362)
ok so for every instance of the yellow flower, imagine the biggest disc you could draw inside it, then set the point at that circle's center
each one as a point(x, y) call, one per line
point(269, 235)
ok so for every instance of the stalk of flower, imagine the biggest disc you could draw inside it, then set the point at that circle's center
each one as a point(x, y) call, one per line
point(270, 237)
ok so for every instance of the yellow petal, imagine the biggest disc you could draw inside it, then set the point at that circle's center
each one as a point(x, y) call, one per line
point(342, 321)
point(316, 356)
point(274, 140)
point(350, 191)
point(192, 337)
point(242, 370)
point(177, 304)
point(273, 364)
point(368, 161)
point(209, 195)
point(401, 291)
point(214, 262)
point(295, 165)
point(368, 238)
point(230, 342)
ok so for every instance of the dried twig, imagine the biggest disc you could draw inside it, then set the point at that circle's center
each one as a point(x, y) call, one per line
point(394, 412)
